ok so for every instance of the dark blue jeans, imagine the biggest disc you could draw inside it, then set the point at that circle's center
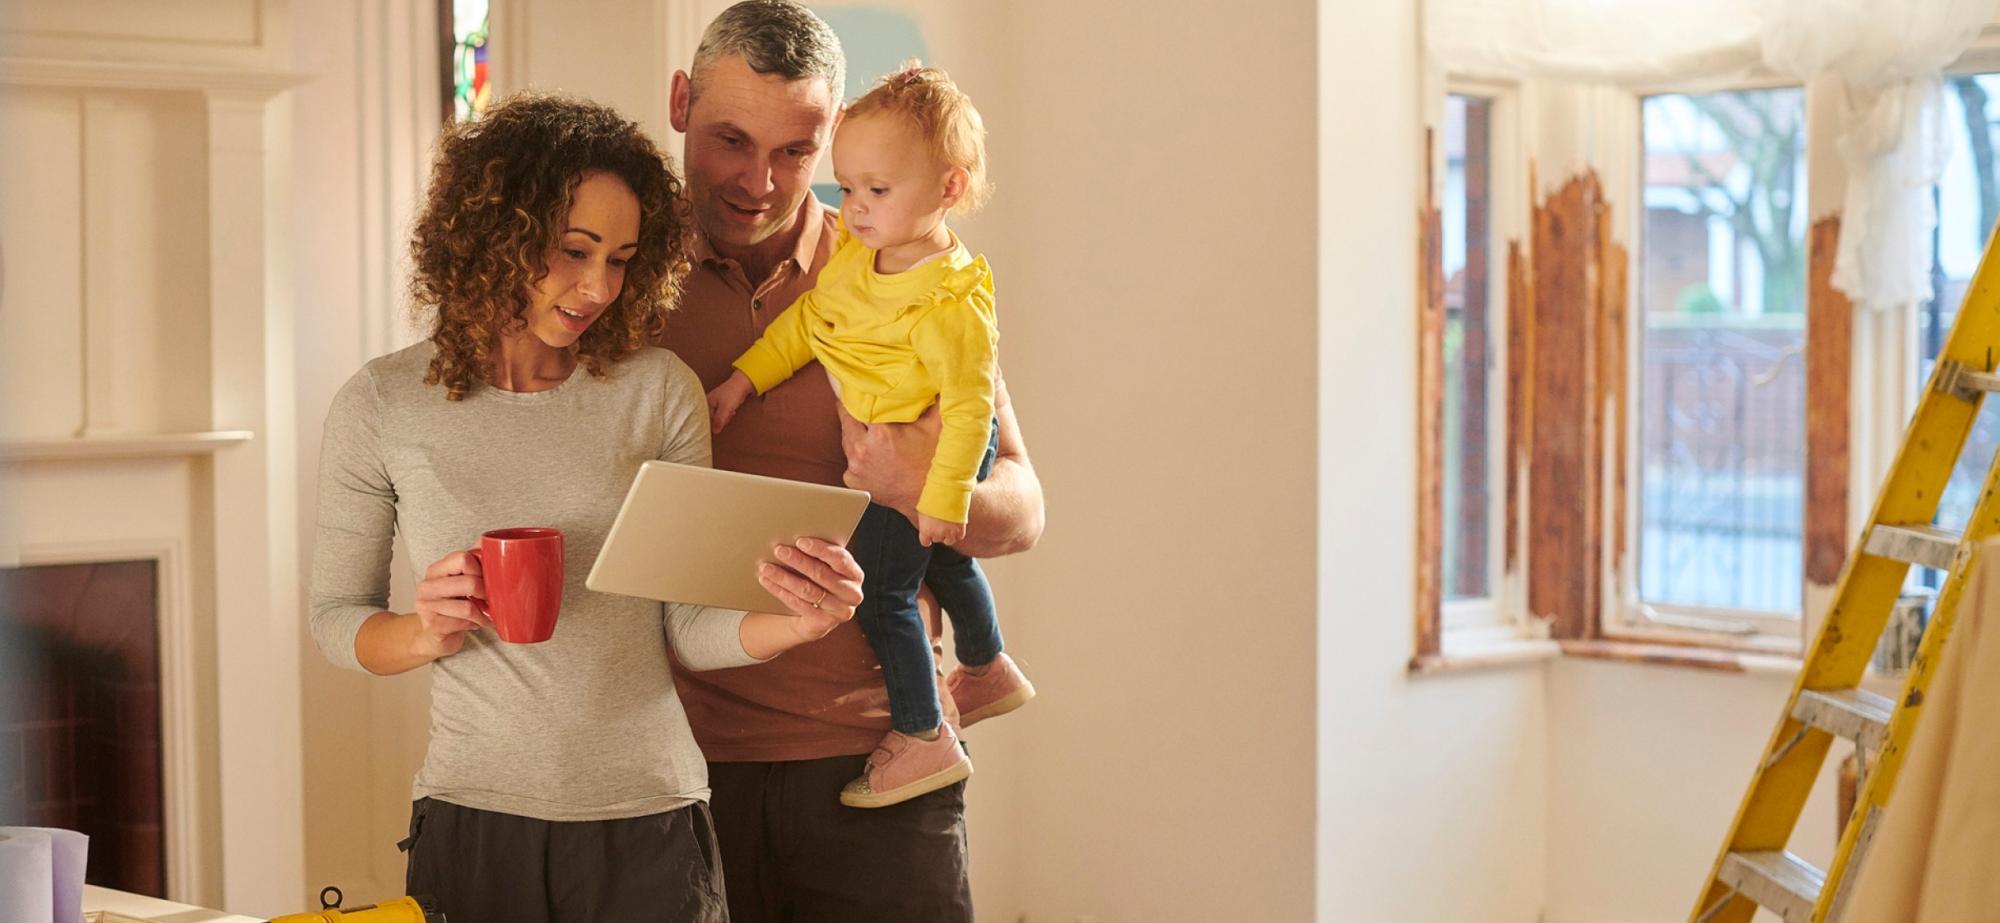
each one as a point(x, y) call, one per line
point(896, 565)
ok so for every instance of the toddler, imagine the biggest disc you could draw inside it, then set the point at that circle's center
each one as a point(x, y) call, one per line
point(902, 318)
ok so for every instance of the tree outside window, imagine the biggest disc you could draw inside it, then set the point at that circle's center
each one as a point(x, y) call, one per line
point(1722, 385)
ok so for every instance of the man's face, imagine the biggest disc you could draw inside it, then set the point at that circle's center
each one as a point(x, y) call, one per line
point(752, 143)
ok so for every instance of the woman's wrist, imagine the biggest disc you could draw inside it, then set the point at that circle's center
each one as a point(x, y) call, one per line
point(420, 647)
point(391, 643)
point(767, 634)
point(763, 637)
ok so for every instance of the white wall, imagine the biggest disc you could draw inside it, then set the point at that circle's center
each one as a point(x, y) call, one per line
point(359, 133)
point(1434, 791)
point(609, 51)
point(1152, 233)
point(1650, 764)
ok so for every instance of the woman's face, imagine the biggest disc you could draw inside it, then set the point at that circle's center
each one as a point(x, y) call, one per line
point(587, 264)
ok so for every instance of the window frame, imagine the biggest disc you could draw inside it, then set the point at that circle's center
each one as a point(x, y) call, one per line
point(1883, 360)
point(1474, 624)
point(1874, 356)
point(1627, 616)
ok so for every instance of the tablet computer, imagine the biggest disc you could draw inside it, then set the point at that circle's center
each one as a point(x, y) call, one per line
point(695, 535)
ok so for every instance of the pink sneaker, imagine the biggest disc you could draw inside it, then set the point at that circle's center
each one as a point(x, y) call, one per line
point(1001, 689)
point(904, 767)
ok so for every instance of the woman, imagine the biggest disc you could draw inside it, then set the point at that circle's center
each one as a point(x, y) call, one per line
point(561, 782)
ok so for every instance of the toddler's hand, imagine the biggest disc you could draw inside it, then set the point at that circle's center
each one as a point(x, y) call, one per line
point(935, 531)
point(723, 401)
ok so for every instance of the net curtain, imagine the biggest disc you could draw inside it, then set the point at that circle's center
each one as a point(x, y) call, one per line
point(1888, 57)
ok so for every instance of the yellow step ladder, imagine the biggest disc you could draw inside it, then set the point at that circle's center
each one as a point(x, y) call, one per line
point(1755, 869)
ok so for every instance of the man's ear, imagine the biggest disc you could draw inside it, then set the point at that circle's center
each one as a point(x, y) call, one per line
point(956, 180)
point(680, 96)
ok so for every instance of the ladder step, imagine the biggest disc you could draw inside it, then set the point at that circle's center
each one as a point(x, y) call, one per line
point(1853, 713)
point(1929, 546)
point(1957, 378)
point(1979, 381)
point(1777, 880)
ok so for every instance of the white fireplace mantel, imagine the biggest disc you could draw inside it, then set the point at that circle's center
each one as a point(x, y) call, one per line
point(122, 75)
point(152, 413)
point(149, 445)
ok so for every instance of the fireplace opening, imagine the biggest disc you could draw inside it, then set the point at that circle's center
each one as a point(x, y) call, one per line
point(80, 713)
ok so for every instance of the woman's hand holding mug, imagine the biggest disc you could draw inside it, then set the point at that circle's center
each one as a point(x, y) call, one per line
point(526, 567)
point(445, 611)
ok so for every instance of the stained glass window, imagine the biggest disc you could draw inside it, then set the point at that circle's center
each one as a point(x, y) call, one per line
point(471, 88)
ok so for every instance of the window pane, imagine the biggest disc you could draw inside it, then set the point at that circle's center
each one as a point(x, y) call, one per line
point(1468, 349)
point(1967, 198)
point(1722, 389)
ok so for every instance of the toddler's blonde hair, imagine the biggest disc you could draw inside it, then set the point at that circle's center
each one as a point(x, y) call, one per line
point(943, 115)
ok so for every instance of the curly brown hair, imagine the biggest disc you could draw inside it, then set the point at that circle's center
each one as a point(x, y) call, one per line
point(499, 196)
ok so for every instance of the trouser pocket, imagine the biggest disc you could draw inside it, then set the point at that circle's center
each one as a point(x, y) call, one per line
point(417, 809)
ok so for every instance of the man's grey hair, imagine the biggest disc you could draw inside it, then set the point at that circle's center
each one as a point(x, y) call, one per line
point(774, 37)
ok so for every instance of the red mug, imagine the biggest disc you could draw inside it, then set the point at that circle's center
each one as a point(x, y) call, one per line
point(523, 569)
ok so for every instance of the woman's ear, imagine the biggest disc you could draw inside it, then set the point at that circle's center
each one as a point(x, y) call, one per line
point(956, 180)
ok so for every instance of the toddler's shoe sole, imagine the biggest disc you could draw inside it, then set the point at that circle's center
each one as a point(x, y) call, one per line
point(998, 707)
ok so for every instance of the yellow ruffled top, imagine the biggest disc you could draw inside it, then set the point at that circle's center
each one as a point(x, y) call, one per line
point(897, 343)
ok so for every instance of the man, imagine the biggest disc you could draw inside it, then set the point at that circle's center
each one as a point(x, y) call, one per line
point(758, 108)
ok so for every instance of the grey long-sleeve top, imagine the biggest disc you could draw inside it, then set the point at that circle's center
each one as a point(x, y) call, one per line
point(586, 725)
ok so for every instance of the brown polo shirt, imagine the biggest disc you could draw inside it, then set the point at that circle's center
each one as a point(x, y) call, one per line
point(820, 699)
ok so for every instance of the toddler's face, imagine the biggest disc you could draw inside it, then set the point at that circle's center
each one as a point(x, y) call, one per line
point(892, 191)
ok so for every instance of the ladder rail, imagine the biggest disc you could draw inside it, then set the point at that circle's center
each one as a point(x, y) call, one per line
point(1863, 598)
point(1875, 790)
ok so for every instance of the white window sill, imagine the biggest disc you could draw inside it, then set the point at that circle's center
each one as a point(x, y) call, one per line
point(1749, 663)
point(1483, 650)
point(1723, 660)
point(1487, 652)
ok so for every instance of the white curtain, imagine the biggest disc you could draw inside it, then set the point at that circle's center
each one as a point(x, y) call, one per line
point(1889, 55)
point(1617, 42)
